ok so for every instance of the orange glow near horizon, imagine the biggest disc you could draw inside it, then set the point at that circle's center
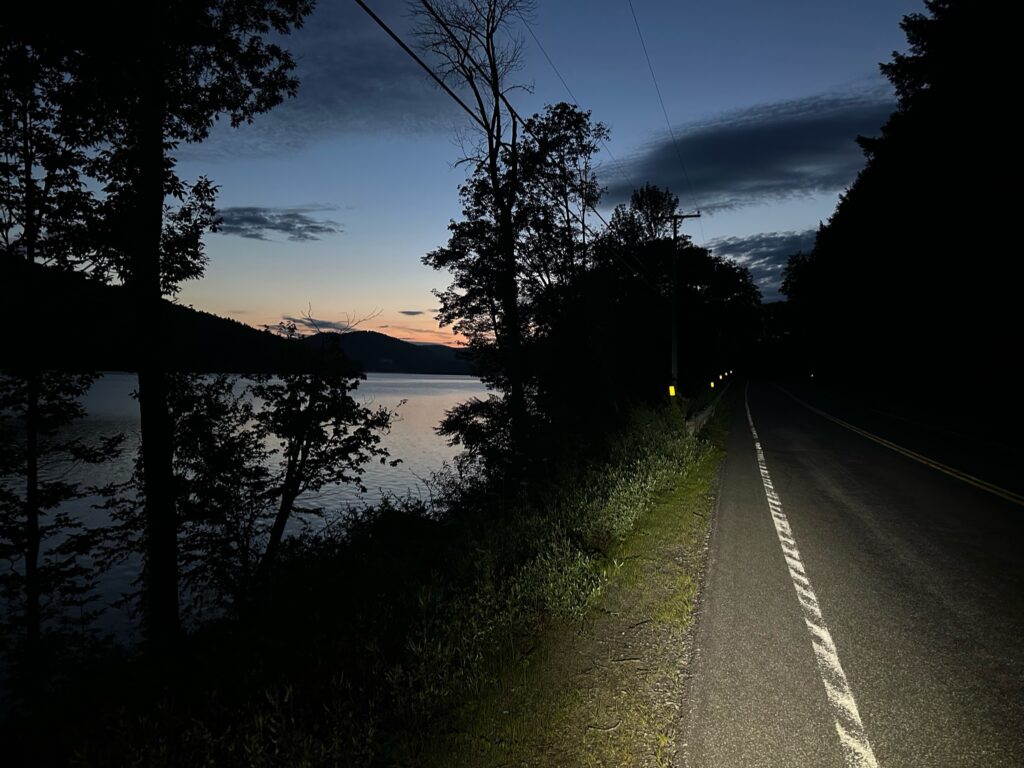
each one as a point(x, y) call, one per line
point(419, 329)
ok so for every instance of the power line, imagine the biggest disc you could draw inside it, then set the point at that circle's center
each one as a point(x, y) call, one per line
point(479, 119)
point(668, 123)
point(553, 67)
point(423, 64)
point(618, 166)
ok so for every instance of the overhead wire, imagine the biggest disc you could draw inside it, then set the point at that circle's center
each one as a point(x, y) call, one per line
point(664, 111)
point(635, 262)
point(426, 68)
point(615, 162)
point(513, 113)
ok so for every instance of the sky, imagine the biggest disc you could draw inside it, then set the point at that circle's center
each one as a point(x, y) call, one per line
point(330, 200)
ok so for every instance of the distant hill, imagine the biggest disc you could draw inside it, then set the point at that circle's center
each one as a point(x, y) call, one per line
point(381, 353)
point(88, 326)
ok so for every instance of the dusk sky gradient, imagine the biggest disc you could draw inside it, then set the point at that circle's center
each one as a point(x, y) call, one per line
point(331, 200)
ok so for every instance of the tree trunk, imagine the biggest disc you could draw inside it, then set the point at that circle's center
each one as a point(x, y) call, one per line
point(32, 385)
point(161, 570)
point(284, 512)
point(32, 535)
point(289, 492)
point(509, 291)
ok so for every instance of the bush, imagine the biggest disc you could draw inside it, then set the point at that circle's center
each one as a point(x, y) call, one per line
point(374, 635)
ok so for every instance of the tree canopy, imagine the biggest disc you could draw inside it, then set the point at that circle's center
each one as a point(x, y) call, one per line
point(905, 282)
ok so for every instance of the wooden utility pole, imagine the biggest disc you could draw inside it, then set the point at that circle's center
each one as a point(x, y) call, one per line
point(676, 218)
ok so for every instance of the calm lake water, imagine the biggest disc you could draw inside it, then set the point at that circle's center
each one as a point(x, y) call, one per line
point(111, 409)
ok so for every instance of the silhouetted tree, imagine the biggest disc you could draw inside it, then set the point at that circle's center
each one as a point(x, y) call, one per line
point(245, 453)
point(47, 548)
point(477, 53)
point(325, 438)
point(899, 290)
point(180, 67)
point(719, 314)
point(556, 248)
point(46, 217)
point(223, 484)
point(560, 190)
point(649, 214)
point(556, 189)
point(46, 209)
point(718, 301)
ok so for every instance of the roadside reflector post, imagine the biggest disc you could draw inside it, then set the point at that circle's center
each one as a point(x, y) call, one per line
point(671, 390)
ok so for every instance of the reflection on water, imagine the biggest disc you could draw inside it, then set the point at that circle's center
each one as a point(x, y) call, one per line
point(111, 409)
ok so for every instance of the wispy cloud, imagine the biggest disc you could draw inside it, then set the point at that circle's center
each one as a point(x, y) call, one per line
point(765, 255)
point(421, 335)
point(412, 312)
point(766, 152)
point(258, 223)
point(352, 79)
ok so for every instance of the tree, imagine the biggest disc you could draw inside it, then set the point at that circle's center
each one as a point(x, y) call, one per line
point(557, 254)
point(183, 64)
point(468, 38)
point(46, 215)
point(45, 545)
point(902, 290)
point(556, 189)
point(560, 190)
point(223, 483)
point(718, 301)
point(325, 438)
point(719, 314)
point(651, 211)
point(245, 452)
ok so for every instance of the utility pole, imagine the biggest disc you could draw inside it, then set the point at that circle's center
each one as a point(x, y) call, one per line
point(676, 218)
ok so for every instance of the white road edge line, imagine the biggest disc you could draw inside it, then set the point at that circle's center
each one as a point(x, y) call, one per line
point(852, 737)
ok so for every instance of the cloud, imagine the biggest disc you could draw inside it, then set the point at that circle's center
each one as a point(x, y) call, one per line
point(296, 223)
point(353, 78)
point(765, 255)
point(440, 336)
point(412, 312)
point(762, 153)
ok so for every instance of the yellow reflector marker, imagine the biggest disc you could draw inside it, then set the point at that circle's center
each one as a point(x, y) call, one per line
point(671, 391)
point(712, 385)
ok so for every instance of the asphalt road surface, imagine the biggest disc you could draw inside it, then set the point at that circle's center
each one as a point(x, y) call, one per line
point(864, 602)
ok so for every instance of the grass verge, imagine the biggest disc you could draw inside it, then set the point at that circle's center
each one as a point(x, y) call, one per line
point(606, 690)
point(545, 632)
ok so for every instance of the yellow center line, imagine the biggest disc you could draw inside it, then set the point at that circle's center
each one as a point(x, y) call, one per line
point(977, 482)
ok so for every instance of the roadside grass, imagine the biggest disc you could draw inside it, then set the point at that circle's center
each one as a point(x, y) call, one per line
point(605, 690)
point(546, 633)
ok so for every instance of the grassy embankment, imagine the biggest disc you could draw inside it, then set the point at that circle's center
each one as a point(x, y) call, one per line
point(606, 690)
point(547, 633)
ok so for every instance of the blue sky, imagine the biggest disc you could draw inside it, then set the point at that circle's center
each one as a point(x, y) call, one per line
point(332, 198)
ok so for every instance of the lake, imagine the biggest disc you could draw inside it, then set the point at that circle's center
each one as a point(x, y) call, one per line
point(110, 409)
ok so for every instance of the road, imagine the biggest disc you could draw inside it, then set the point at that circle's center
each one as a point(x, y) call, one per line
point(861, 607)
